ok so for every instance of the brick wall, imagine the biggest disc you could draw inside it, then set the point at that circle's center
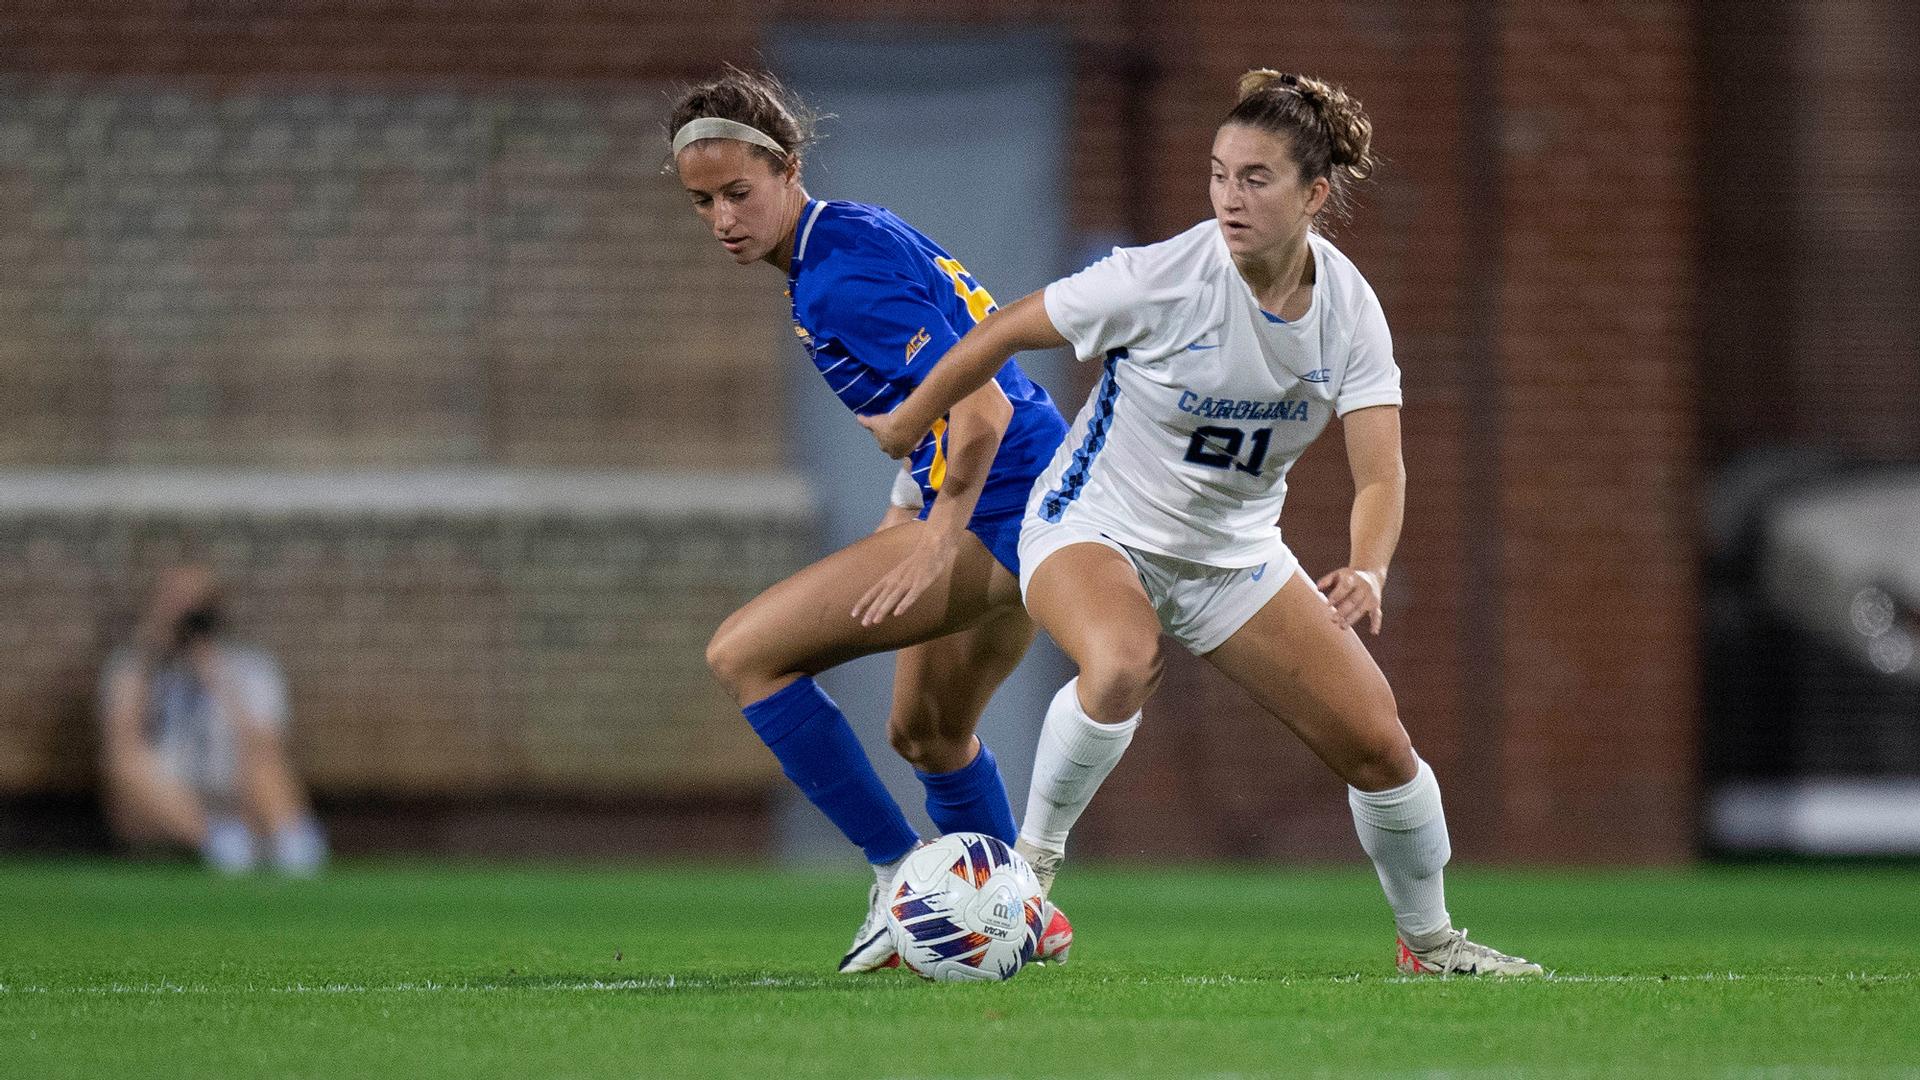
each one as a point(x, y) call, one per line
point(1811, 333)
point(458, 633)
point(334, 276)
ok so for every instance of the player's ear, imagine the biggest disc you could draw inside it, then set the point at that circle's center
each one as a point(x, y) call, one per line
point(1317, 193)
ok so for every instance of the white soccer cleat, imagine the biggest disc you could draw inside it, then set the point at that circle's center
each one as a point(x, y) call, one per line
point(1056, 935)
point(1457, 956)
point(873, 945)
point(1046, 864)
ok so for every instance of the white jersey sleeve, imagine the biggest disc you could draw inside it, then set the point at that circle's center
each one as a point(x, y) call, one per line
point(1371, 378)
point(1117, 304)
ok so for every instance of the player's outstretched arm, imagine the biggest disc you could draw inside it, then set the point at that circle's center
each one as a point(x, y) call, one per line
point(966, 367)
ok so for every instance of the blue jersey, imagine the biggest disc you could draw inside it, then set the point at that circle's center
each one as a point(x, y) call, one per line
point(877, 305)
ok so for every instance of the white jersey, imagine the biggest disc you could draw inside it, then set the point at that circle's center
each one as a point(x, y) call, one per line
point(189, 728)
point(1207, 400)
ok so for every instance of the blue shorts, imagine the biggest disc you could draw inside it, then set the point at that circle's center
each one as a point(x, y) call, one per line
point(1000, 532)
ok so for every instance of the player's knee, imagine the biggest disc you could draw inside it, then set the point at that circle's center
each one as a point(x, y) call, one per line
point(1119, 678)
point(1381, 762)
point(731, 659)
point(909, 730)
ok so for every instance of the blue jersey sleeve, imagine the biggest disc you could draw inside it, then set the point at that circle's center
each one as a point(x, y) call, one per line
point(867, 298)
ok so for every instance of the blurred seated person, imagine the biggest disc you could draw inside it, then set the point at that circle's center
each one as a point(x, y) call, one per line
point(193, 739)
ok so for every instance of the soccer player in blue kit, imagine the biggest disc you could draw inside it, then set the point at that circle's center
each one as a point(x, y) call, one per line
point(877, 304)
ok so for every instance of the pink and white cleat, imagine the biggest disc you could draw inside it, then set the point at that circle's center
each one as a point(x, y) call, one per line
point(1455, 955)
point(1056, 935)
point(1056, 940)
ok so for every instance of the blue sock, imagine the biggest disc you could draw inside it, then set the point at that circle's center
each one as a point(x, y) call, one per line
point(820, 753)
point(971, 798)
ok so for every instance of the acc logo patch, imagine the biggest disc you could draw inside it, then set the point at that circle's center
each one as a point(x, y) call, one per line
point(919, 342)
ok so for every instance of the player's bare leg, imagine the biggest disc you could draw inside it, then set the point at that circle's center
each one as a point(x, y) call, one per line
point(1088, 597)
point(767, 652)
point(804, 625)
point(940, 690)
point(1319, 680)
point(147, 805)
point(273, 801)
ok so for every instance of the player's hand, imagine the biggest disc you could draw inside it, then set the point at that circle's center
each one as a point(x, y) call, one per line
point(932, 559)
point(893, 442)
point(1352, 593)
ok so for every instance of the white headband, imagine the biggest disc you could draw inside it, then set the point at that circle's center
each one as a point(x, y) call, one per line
point(715, 127)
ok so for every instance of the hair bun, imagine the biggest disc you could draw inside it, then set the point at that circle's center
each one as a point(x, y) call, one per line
point(1326, 127)
point(1261, 79)
point(1313, 91)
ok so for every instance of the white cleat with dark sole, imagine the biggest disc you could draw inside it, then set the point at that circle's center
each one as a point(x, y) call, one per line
point(873, 945)
point(1455, 955)
point(1046, 864)
point(1056, 935)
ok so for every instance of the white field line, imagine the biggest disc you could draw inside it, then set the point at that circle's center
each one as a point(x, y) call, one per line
point(671, 982)
point(1553, 978)
point(674, 982)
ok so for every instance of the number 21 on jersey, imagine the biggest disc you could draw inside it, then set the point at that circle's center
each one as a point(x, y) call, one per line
point(1219, 448)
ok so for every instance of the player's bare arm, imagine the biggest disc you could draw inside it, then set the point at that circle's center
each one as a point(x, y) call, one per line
point(975, 425)
point(1379, 504)
point(963, 371)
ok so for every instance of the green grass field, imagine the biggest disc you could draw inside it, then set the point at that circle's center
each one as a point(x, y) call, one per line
point(426, 970)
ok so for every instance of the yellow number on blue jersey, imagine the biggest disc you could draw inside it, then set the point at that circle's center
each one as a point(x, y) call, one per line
point(979, 301)
point(979, 305)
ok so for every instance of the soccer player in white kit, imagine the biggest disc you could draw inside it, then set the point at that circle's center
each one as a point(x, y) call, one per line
point(1227, 349)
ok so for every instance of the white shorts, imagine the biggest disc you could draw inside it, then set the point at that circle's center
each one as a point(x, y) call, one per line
point(1199, 606)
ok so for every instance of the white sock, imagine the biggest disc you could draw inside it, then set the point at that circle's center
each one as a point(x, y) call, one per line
point(1404, 830)
point(300, 848)
point(228, 845)
point(1076, 753)
point(883, 871)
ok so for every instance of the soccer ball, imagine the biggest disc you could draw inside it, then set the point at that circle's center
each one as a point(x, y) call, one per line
point(965, 906)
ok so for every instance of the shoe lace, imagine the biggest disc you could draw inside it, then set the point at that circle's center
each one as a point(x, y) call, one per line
point(1483, 952)
point(1046, 865)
